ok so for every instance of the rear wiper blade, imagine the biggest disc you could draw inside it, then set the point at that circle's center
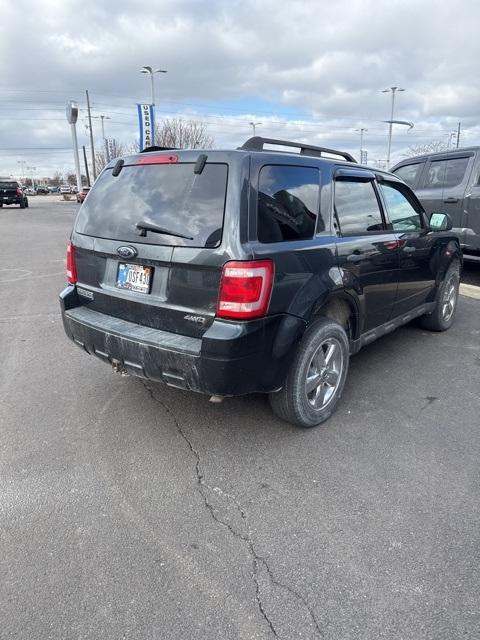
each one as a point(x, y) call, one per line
point(143, 226)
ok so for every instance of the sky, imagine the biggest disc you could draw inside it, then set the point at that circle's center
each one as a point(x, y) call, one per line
point(310, 71)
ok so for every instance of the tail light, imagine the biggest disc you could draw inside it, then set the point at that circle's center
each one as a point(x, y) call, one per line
point(71, 265)
point(245, 289)
point(19, 193)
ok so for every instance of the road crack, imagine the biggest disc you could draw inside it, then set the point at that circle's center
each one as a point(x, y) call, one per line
point(258, 561)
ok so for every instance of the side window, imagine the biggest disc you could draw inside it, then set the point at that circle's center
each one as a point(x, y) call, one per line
point(288, 203)
point(357, 208)
point(443, 174)
point(408, 173)
point(401, 213)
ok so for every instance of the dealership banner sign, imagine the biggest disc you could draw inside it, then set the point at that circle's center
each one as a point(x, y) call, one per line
point(146, 121)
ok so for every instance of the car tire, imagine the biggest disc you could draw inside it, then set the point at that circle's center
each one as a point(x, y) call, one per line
point(22, 204)
point(26, 203)
point(443, 315)
point(323, 357)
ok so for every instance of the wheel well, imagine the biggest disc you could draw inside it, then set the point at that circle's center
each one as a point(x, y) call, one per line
point(341, 311)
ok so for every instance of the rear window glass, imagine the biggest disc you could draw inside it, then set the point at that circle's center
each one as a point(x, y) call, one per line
point(170, 196)
point(408, 173)
point(443, 174)
point(8, 185)
point(288, 201)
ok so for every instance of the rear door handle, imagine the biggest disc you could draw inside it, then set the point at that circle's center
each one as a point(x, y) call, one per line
point(451, 200)
point(408, 249)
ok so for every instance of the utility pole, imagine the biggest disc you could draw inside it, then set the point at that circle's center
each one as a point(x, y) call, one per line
point(86, 165)
point(458, 134)
point(94, 171)
point(390, 126)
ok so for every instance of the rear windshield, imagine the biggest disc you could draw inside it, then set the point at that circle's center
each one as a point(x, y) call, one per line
point(170, 196)
point(8, 185)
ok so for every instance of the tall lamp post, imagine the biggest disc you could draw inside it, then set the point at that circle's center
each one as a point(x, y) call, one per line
point(152, 72)
point(393, 90)
point(23, 163)
point(102, 118)
point(362, 131)
point(32, 169)
point(253, 125)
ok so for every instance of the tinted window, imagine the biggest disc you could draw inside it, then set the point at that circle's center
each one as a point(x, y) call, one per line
point(288, 200)
point(401, 213)
point(8, 185)
point(357, 208)
point(408, 173)
point(445, 173)
point(171, 196)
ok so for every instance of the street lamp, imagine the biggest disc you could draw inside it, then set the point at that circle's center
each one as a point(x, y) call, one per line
point(152, 72)
point(362, 130)
point(23, 163)
point(105, 144)
point(393, 90)
point(253, 125)
point(32, 169)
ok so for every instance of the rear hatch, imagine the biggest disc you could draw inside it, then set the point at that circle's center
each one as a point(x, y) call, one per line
point(8, 190)
point(147, 240)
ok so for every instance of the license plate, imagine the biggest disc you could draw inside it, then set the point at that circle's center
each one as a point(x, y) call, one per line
point(134, 277)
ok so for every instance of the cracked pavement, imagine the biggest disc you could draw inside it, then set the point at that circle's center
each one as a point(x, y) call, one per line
point(130, 510)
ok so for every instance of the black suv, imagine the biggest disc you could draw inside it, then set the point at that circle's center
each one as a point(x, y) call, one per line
point(10, 193)
point(253, 270)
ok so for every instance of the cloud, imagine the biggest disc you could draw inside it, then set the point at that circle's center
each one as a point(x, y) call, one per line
point(309, 69)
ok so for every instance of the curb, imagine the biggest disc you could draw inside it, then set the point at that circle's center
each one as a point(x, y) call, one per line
point(470, 291)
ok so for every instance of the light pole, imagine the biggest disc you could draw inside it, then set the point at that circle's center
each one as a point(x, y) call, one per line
point(362, 130)
point(32, 169)
point(393, 90)
point(102, 118)
point(253, 125)
point(152, 72)
point(23, 163)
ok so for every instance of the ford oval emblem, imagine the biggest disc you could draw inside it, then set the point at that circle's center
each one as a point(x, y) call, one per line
point(127, 252)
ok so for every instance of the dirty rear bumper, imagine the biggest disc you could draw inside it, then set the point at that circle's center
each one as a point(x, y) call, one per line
point(232, 358)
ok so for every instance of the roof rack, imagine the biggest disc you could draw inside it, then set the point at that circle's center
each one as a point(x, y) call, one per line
point(256, 144)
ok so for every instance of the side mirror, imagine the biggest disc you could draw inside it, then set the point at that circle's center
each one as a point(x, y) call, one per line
point(440, 222)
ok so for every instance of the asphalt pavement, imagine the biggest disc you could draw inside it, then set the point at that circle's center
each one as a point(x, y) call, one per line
point(130, 510)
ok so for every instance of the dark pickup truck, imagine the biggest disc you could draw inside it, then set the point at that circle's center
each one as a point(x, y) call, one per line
point(10, 193)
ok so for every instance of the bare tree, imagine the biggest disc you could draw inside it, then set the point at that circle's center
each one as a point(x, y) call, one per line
point(117, 149)
point(429, 147)
point(183, 134)
point(57, 179)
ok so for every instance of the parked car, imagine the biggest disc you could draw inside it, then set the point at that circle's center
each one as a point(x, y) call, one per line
point(54, 189)
point(10, 193)
point(65, 188)
point(450, 182)
point(253, 270)
point(41, 190)
point(83, 194)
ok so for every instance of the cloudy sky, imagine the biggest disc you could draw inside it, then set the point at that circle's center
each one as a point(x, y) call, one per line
point(307, 70)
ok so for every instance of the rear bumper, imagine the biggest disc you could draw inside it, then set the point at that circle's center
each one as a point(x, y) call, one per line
point(232, 358)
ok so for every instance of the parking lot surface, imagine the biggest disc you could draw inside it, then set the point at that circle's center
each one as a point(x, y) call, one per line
point(130, 510)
